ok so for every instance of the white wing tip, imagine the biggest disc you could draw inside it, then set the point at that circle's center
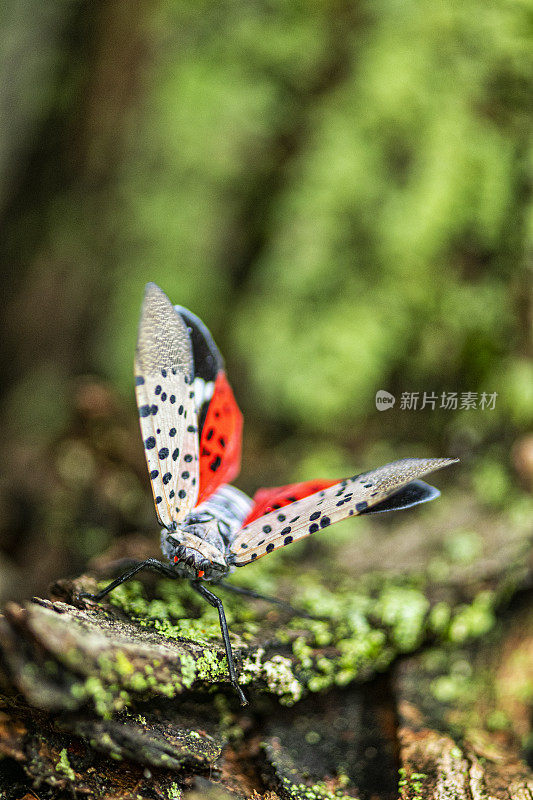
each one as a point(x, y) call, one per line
point(151, 285)
point(163, 340)
point(152, 291)
point(155, 304)
point(432, 463)
point(442, 462)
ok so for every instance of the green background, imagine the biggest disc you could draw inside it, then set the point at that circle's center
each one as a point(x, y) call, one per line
point(341, 191)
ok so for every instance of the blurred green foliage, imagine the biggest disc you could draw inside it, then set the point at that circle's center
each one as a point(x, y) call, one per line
point(342, 191)
point(389, 246)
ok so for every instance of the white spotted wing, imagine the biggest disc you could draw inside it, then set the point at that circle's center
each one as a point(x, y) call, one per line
point(312, 514)
point(164, 373)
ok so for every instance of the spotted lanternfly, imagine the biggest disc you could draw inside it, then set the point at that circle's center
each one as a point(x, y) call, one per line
point(191, 428)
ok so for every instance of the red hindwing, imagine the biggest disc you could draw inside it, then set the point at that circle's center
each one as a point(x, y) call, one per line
point(220, 443)
point(266, 500)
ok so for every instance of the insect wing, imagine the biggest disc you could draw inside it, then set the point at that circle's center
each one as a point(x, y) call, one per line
point(276, 497)
point(219, 418)
point(208, 361)
point(221, 440)
point(167, 412)
point(412, 494)
point(348, 498)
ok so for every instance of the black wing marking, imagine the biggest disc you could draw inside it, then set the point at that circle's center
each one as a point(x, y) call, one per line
point(208, 361)
point(312, 514)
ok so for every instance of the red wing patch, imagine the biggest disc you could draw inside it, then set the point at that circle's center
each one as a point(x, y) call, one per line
point(266, 500)
point(220, 443)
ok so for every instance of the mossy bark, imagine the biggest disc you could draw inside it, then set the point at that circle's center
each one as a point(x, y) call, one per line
point(464, 716)
point(131, 697)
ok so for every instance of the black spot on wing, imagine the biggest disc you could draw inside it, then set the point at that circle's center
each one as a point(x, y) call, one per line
point(215, 464)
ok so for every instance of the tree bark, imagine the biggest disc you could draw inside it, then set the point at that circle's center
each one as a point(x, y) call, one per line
point(130, 698)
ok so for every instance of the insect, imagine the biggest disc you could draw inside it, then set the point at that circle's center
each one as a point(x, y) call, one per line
point(191, 428)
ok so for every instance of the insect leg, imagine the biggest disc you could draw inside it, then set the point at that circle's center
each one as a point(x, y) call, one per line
point(150, 563)
point(297, 612)
point(216, 602)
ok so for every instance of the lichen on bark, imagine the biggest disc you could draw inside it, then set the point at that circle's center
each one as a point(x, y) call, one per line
point(142, 678)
